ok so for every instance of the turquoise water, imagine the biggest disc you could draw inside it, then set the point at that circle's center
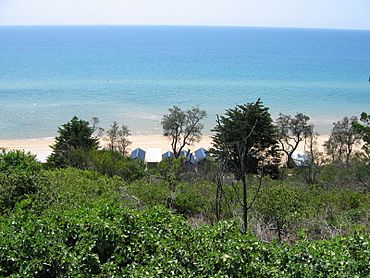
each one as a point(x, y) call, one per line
point(133, 74)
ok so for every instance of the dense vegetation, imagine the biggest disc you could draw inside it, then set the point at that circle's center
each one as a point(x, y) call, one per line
point(103, 214)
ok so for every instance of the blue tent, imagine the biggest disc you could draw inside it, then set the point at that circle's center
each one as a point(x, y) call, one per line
point(188, 155)
point(138, 154)
point(201, 154)
point(168, 155)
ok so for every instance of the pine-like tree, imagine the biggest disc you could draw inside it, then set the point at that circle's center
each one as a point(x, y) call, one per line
point(75, 134)
point(246, 140)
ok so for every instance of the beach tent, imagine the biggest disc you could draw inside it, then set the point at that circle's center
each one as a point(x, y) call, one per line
point(153, 155)
point(138, 154)
point(301, 159)
point(201, 154)
point(168, 155)
point(188, 155)
point(184, 153)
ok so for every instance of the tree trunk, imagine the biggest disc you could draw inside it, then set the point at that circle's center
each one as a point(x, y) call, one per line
point(290, 163)
point(218, 201)
point(245, 205)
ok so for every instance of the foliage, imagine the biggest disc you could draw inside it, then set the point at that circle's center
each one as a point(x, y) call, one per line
point(75, 134)
point(291, 132)
point(95, 124)
point(104, 239)
point(72, 187)
point(245, 139)
point(20, 175)
point(363, 128)
point(342, 139)
point(117, 138)
point(315, 159)
point(356, 175)
point(183, 128)
point(282, 206)
point(107, 162)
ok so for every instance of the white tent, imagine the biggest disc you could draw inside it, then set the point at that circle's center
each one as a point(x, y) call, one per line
point(153, 155)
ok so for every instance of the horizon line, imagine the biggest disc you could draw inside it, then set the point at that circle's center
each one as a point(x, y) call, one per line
point(181, 25)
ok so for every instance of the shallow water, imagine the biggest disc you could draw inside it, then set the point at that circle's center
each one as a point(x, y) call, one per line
point(133, 74)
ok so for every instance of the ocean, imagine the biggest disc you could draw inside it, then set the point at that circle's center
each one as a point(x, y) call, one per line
point(133, 74)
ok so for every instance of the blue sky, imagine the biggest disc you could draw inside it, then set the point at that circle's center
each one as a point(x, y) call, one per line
point(347, 14)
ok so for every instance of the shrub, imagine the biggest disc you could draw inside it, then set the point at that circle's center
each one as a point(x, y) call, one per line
point(105, 239)
point(73, 187)
point(20, 175)
point(108, 163)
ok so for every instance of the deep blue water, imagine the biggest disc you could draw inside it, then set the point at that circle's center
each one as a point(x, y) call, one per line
point(133, 74)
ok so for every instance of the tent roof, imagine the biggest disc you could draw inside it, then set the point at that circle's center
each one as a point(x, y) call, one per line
point(138, 154)
point(153, 155)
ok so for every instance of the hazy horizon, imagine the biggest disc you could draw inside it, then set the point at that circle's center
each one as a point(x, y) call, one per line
point(178, 25)
point(315, 14)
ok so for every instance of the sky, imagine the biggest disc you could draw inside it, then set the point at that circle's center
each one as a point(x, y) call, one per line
point(343, 14)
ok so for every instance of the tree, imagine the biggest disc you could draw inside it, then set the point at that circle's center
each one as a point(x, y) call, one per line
point(75, 134)
point(117, 138)
point(363, 129)
point(342, 139)
point(183, 128)
point(315, 160)
point(95, 122)
point(245, 138)
point(291, 132)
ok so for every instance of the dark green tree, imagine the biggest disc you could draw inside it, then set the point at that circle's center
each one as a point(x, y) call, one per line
point(246, 140)
point(76, 134)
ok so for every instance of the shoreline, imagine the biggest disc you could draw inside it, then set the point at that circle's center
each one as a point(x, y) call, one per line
point(41, 146)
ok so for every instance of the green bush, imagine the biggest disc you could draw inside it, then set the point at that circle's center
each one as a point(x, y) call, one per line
point(73, 187)
point(195, 198)
point(107, 162)
point(149, 194)
point(355, 175)
point(20, 175)
point(283, 206)
point(105, 239)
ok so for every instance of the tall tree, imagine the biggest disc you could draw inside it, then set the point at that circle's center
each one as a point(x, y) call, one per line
point(98, 131)
point(315, 160)
point(183, 128)
point(363, 129)
point(342, 139)
point(112, 135)
point(292, 131)
point(245, 137)
point(117, 138)
point(75, 134)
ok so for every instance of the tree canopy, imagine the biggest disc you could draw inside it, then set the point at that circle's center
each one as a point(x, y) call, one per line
point(342, 139)
point(117, 138)
point(292, 131)
point(245, 139)
point(75, 134)
point(363, 129)
point(183, 128)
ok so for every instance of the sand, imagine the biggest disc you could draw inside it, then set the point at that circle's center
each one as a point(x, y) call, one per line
point(41, 147)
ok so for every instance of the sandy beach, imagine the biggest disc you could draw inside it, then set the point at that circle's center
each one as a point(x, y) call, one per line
point(41, 147)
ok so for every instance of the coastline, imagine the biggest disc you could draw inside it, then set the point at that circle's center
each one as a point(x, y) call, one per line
point(41, 147)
